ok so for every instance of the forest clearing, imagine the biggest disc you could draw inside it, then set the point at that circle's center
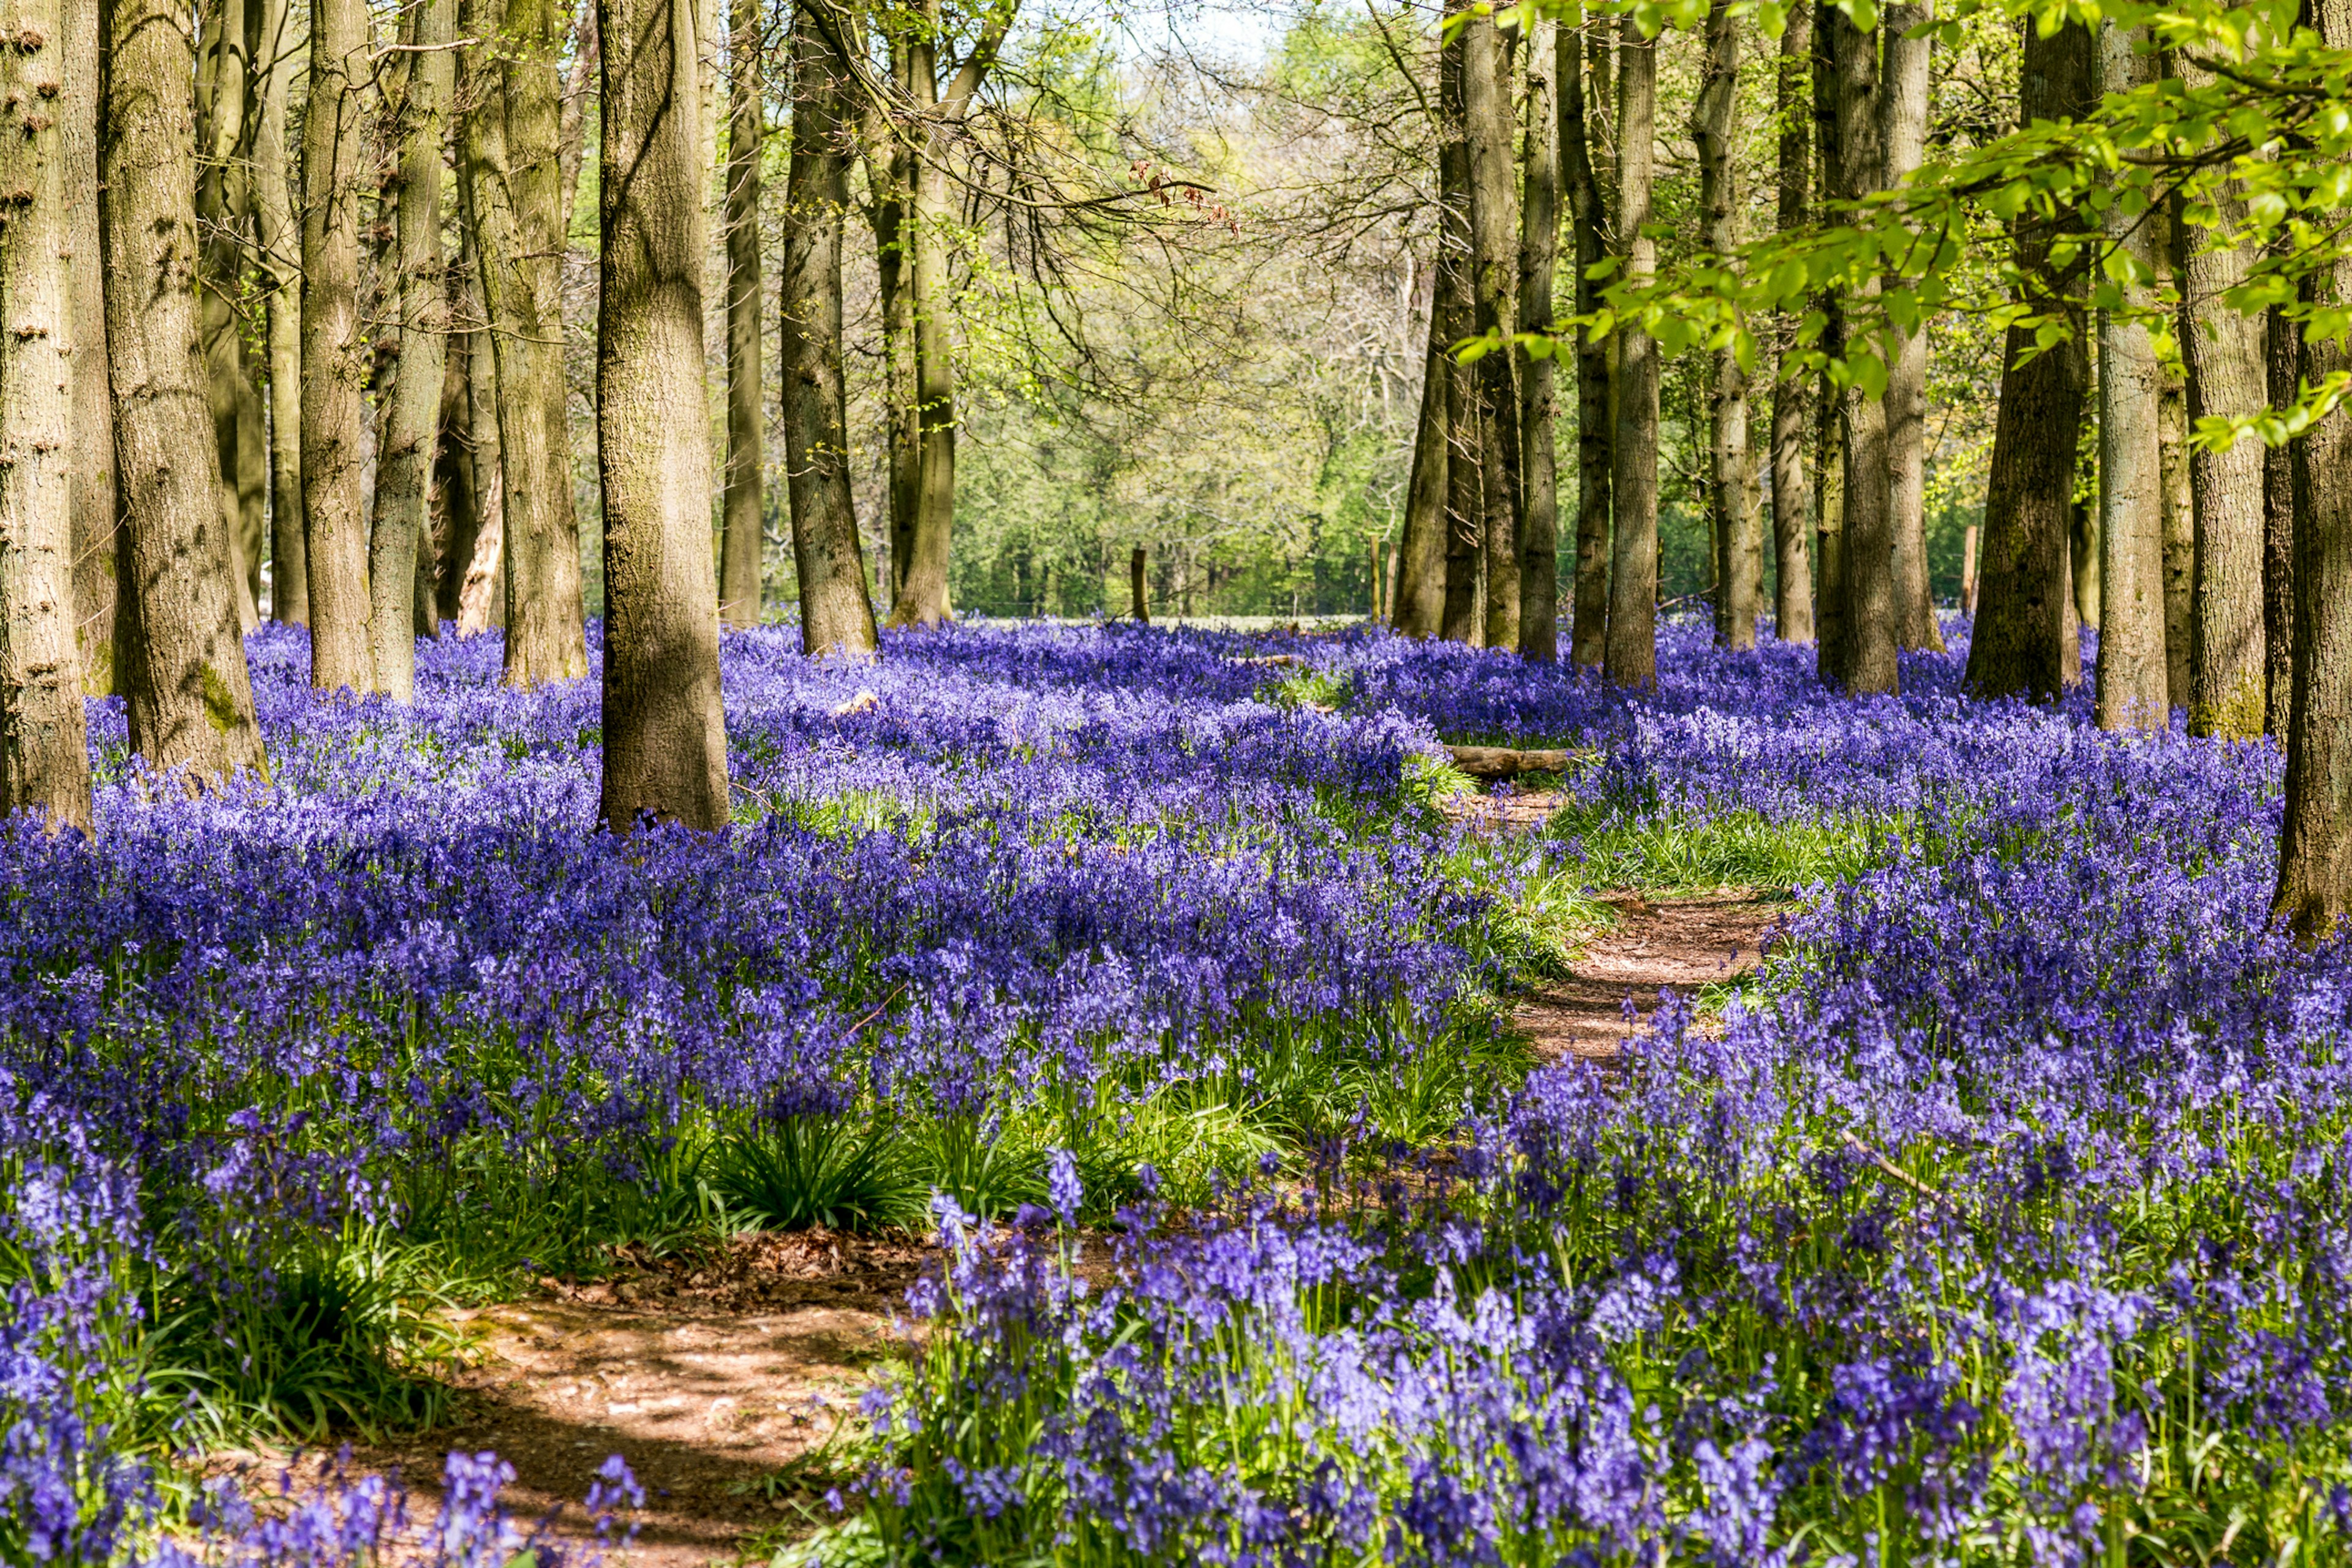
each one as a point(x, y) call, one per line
point(841, 783)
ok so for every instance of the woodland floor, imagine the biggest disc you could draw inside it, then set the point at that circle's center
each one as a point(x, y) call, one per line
point(721, 1378)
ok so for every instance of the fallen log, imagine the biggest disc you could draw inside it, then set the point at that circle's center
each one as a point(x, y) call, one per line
point(1504, 762)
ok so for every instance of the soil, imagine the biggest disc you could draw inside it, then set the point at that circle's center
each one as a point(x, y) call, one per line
point(1659, 943)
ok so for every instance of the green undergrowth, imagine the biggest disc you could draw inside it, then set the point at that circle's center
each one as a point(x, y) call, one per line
point(1674, 852)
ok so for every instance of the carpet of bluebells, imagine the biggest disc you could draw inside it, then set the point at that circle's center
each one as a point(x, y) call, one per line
point(2005, 1217)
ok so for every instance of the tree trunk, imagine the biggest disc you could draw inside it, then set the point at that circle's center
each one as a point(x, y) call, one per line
point(178, 656)
point(405, 470)
point(836, 607)
point(2282, 369)
point(1417, 601)
point(2223, 352)
point(43, 742)
point(1793, 500)
point(2018, 644)
point(1138, 603)
point(1466, 495)
point(1873, 627)
point(572, 118)
point(664, 732)
point(92, 481)
point(1902, 138)
point(2131, 498)
point(453, 479)
point(1539, 400)
point(1588, 221)
point(1731, 457)
point(2177, 511)
point(1494, 278)
point(517, 201)
point(221, 80)
point(1829, 508)
point(1632, 657)
point(739, 568)
point(890, 172)
point(278, 236)
point(334, 352)
point(921, 599)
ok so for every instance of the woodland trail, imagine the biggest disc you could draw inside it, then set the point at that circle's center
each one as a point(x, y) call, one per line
point(1659, 944)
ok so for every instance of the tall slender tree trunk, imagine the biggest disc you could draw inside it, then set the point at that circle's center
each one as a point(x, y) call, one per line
point(43, 742)
point(1494, 227)
point(2131, 501)
point(1588, 224)
point(1731, 465)
point(1829, 520)
point(1902, 138)
point(740, 566)
point(512, 147)
point(1873, 629)
point(1631, 658)
point(2176, 509)
point(2315, 876)
point(92, 481)
point(893, 248)
point(1417, 600)
point(664, 732)
point(277, 233)
point(2019, 643)
point(1793, 499)
point(837, 605)
point(1538, 396)
point(178, 656)
point(2281, 370)
point(221, 78)
point(1465, 494)
point(404, 469)
point(334, 352)
point(572, 118)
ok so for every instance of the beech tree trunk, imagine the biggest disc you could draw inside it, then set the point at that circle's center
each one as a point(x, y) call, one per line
point(1588, 221)
point(278, 235)
point(903, 468)
point(1632, 657)
point(43, 742)
point(1873, 629)
point(2019, 643)
point(2315, 876)
point(740, 567)
point(2131, 693)
point(1731, 457)
point(1538, 397)
point(1417, 601)
point(512, 147)
point(664, 732)
point(2224, 351)
point(1494, 278)
point(178, 656)
point(1792, 499)
point(92, 478)
point(836, 607)
point(221, 78)
point(334, 352)
point(572, 118)
point(413, 425)
point(1465, 497)
point(2178, 517)
point(1902, 140)
point(2281, 370)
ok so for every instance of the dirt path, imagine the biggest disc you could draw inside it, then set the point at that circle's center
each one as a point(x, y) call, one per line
point(1682, 943)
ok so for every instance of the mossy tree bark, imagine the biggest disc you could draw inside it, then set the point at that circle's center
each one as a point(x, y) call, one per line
point(44, 742)
point(1581, 117)
point(1417, 604)
point(1494, 285)
point(1903, 108)
point(1539, 381)
point(1792, 498)
point(1631, 658)
point(94, 511)
point(1865, 660)
point(741, 599)
point(1459, 617)
point(179, 658)
point(1732, 500)
point(334, 349)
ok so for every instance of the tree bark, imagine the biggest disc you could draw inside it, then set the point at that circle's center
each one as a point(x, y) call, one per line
point(740, 596)
point(2315, 876)
point(2131, 694)
point(278, 236)
point(572, 118)
point(2177, 511)
point(1494, 226)
point(221, 80)
point(1417, 601)
point(43, 742)
point(1902, 138)
point(512, 146)
point(2018, 643)
point(178, 656)
point(92, 481)
point(1587, 223)
point(1632, 657)
point(1872, 626)
point(405, 470)
point(1538, 397)
point(2281, 370)
point(664, 732)
point(836, 607)
point(1465, 496)
point(1793, 500)
point(1731, 457)
point(334, 353)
